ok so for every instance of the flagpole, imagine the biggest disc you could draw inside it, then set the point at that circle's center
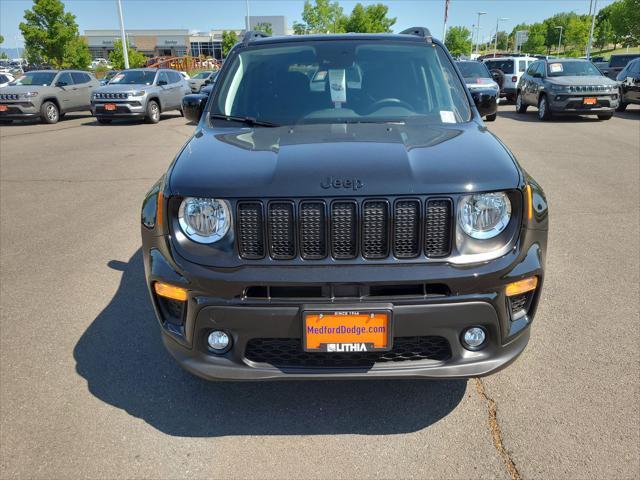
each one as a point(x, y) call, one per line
point(446, 15)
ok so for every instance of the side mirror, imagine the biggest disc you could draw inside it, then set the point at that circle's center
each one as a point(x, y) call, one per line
point(61, 84)
point(193, 106)
point(162, 82)
point(537, 75)
point(207, 82)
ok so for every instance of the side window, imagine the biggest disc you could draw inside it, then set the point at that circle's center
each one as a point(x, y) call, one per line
point(79, 77)
point(522, 66)
point(162, 77)
point(540, 68)
point(3, 79)
point(65, 77)
point(532, 68)
point(634, 67)
point(87, 77)
point(176, 77)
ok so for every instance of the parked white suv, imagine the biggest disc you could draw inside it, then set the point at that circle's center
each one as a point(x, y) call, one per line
point(512, 68)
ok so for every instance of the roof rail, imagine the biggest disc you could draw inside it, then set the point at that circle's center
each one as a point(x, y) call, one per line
point(252, 35)
point(418, 32)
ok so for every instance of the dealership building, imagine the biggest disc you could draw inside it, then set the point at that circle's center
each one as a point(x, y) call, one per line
point(175, 43)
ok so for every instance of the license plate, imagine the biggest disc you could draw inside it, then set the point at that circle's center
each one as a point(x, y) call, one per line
point(589, 101)
point(3, 108)
point(341, 331)
point(110, 107)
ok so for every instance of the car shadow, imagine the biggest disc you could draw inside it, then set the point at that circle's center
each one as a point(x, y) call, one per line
point(36, 121)
point(629, 114)
point(532, 116)
point(129, 121)
point(121, 357)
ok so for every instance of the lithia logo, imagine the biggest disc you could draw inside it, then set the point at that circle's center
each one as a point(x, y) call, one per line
point(346, 347)
point(347, 183)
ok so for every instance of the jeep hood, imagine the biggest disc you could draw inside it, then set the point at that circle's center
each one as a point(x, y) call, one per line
point(582, 80)
point(342, 160)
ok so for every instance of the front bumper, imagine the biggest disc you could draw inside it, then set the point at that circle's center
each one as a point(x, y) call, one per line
point(124, 108)
point(20, 110)
point(569, 103)
point(218, 300)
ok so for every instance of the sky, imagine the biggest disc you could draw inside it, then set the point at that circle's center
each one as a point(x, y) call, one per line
point(204, 15)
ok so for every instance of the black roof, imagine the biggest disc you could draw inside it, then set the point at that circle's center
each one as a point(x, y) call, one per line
point(339, 36)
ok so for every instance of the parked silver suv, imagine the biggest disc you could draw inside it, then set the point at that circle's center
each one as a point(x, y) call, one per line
point(139, 93)
point(47, 94)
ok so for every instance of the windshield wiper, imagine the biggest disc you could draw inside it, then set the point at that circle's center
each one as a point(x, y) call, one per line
point(246, 120)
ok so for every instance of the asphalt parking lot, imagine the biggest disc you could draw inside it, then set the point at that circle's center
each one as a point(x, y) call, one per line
point(87, 390)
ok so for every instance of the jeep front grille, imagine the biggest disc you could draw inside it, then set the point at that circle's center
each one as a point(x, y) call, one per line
point(344, 229)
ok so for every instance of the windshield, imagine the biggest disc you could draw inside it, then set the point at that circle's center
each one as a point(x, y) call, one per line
point(506, 66)
point(202, 75)
point(473, 70)
point(572, 69)
point(134, 77)
point(621, 60)
point(36, 78)
point(342, 82)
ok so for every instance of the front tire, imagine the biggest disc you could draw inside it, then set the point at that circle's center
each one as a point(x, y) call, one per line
point(49, 113)
point(605, 116)
point(544, 113)
point(621, 106)
point(103, 121)
point(153, 112)
point(521, 107)
point(492, 117)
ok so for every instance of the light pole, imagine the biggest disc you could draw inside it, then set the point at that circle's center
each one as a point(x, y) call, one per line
point(559, 38)
point(248, 16)
point(593, 24)
point(478, 37)
point(495, 45)
point(125, 49)
point(473, 29)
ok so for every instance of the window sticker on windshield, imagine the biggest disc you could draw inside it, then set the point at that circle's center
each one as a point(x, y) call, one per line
point(447, 117)
point(320, 76)
point(555, 67)
point(117, 78)
point(338, 86)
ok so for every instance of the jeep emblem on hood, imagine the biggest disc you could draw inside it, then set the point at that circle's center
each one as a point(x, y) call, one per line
point(348, 183)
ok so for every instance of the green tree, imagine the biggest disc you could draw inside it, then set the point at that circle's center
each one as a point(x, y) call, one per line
point(358, 21)
point(503, 40)
point(536, 41)
point(76, 54)
point(378, 20)
point(116, 57)
point(577, 34)
point(264, 27)
point(321, 17)
point(458, 41)
point(229, 39)
point(624, 17)
point(603, 34)
point(1, 39)
point(47, 31)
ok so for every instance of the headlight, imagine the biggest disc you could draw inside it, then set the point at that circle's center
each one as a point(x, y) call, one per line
point(559, 88)
point(139, 93)
point(29, 94)
point(484, 215)
point(204, 220)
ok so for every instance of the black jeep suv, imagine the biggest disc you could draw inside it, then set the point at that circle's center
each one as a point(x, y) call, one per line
point(342, 211)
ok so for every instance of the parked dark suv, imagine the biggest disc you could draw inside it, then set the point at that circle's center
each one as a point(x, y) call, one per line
point(572, 86)
point(629, 81)
point(320, 224)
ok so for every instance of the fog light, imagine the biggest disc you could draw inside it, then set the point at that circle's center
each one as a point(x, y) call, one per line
point(218, 341)
point(474, 337)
